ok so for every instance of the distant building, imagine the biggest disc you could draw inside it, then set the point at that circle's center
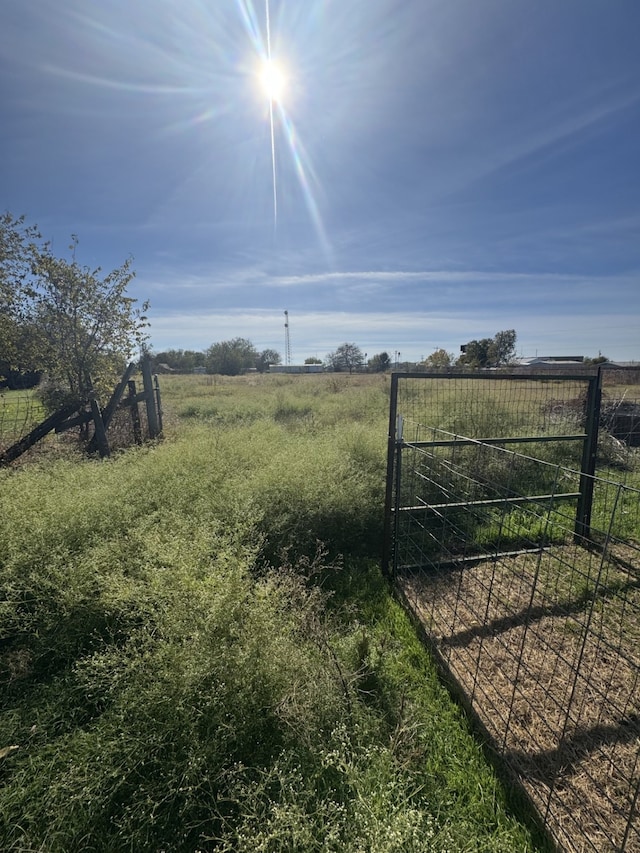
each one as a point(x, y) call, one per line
point(561, 362)
point(296, 368)
point(633, 365)
point(200, 370)
point(550, 361)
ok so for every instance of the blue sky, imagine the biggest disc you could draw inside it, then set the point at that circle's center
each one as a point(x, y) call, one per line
point(444, 169)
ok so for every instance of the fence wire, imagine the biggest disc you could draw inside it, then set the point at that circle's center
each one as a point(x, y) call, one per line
point(536, 625)
point(20, 412)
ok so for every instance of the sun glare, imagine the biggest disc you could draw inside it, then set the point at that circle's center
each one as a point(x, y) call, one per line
point(272, 80)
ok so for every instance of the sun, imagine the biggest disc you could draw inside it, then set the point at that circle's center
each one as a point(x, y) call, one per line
point(272, 80)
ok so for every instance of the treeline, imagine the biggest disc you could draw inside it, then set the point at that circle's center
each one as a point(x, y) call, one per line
point(229, 358)
point(239, 355)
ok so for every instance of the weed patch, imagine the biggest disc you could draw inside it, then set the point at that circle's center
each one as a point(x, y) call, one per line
point(173, 682)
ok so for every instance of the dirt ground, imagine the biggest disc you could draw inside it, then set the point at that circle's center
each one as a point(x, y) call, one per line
point(546, 647)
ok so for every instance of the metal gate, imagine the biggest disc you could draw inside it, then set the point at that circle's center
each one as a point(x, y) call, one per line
point(452, 465)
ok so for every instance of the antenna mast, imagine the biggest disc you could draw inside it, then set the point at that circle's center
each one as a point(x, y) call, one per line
point(287, 340)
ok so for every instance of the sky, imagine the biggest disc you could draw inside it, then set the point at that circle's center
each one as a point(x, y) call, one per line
point(433, 171)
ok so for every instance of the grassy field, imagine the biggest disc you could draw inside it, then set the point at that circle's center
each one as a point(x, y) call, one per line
point(198, 652)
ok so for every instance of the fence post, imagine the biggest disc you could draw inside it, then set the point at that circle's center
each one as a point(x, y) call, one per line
point(397, 488)
point(152, 412)
point(158, 401)
point(135, 414)
point(110, 409)
point(391, 457)
point(100, 433)
point(589, 453)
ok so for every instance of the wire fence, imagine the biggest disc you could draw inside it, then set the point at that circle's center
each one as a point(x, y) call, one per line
point(26, 426)
point(20, 412)
point(534, 618)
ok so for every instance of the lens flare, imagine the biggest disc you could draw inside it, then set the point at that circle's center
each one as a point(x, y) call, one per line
point(272, 80)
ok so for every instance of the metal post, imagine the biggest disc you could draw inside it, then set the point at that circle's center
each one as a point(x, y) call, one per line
point(391, 455)
point(589, 453)
point(397, 488)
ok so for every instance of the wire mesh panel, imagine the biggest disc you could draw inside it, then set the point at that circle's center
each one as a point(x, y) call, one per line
point(493, 404)
point(536, 623)
point(20, 411)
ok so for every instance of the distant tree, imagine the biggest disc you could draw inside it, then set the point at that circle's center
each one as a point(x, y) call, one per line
point(346, 357)
point(476, 353)
point(439, 359)
point(18, 345)
point(490, 352)
point(231, 357)
point(380, 362)
point(267, 357)
point(599, 359)
point(313, 360)
point(503, 349)
point(184, 361)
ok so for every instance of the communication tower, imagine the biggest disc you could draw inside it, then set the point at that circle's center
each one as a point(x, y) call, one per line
point(287, 340)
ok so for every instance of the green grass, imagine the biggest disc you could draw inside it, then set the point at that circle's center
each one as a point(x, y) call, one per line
point(184, 667)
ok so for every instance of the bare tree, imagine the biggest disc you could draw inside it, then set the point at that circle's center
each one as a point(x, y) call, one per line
point(347, 356)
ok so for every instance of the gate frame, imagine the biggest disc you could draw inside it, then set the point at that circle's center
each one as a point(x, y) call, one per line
point(396, 444)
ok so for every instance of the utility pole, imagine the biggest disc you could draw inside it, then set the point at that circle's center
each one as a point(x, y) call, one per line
point(287, 340)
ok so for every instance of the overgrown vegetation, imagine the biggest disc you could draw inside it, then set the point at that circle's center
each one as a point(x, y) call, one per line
point(185, 668)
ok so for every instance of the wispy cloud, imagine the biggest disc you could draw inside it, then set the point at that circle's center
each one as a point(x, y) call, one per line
point(254, 277)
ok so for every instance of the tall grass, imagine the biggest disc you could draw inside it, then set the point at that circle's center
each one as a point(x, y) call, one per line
point(185, 668)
